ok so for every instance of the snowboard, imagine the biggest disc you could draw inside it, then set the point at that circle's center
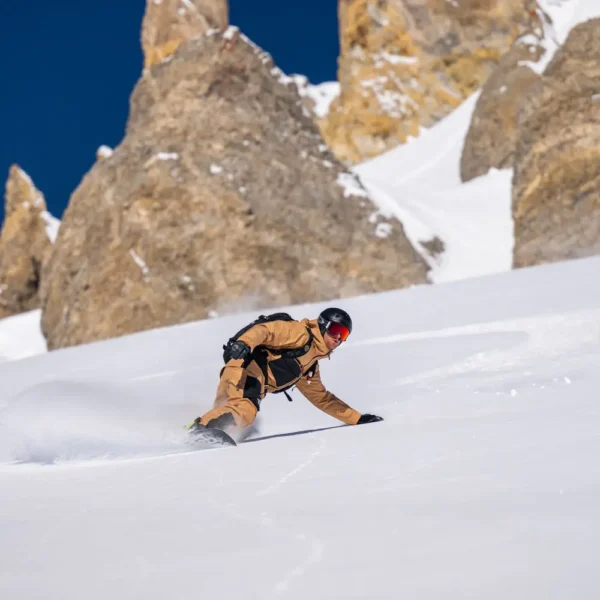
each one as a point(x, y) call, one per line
point(208, 437)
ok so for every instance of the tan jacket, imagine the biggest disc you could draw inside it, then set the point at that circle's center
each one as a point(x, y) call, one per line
point(303, 372)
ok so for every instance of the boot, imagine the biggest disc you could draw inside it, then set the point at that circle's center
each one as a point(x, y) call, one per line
point(211, 435)
point(224, 422)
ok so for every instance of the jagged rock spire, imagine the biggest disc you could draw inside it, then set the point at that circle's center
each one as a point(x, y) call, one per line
point(221, 197)
point(169, 23)
point(25, 244)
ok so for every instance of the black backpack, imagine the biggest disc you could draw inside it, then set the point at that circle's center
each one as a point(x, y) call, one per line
point(259, 353)
point(294, 353)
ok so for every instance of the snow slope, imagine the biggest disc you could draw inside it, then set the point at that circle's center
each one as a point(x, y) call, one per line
point(21, 336)
point(482, 482)
point(419, 183)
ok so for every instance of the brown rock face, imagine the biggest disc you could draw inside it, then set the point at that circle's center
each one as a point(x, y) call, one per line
point(24, 244)
point(492, 136)
point(407, 63)
point(556, 186)
point(221, 195)
point(169, 23)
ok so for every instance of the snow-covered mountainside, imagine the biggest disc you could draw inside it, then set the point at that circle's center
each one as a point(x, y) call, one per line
point(482, 481)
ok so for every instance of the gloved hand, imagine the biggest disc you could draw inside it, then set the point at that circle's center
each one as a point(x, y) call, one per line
point(369, 419)
point(239, 350)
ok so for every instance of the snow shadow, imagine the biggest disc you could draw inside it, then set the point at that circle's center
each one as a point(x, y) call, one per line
point(292, 433)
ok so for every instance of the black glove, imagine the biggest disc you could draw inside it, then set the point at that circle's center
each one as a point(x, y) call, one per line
point(238, 350)
point(369, 419)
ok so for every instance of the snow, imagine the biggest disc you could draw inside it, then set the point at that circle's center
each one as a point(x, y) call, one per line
point(139, 262)
point(383, 230)
point(322, 94)
point(167, 156)
point(52, 225)
point(391, 102)
point(216, 169)
point(231, 32)
point(397, 59)
point(351, 185)
point(419, 184)
point(21, 336)
point(189, 4)
point(105, 151)
point(481, 482)
point(162, 156)
point(564, 15)
point(38, 197)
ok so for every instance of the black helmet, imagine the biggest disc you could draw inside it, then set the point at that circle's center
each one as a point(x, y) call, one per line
point(334, 315)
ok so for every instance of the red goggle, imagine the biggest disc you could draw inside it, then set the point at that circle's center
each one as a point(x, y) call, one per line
point(338, 331)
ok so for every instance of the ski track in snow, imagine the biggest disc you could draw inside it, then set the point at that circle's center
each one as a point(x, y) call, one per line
point(547, 337)
point(300, 467)
point(317, 551)
point(315, 547)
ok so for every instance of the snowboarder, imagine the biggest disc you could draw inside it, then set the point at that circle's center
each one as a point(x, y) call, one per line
point(274, 354)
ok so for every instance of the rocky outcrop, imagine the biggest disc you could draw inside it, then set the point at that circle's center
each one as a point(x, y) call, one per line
point(405, 64)
point(492, 136)
point(169, 23)
point(222, 194)
point(556, 185)
point(25, 244)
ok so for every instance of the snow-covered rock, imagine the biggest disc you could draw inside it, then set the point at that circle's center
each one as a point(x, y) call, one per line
point(405, 65)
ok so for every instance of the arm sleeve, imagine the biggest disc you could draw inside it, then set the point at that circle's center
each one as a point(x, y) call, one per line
point(276, 334)
point(316, 393)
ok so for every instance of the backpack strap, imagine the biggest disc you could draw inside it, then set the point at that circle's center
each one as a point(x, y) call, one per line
point(262, 319)
point(259, 356)
point(297, 352)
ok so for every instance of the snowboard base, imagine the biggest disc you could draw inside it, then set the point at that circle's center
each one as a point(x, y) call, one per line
point(210, 438)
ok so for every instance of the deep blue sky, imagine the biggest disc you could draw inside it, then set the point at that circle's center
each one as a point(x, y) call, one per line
point(68, 68)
